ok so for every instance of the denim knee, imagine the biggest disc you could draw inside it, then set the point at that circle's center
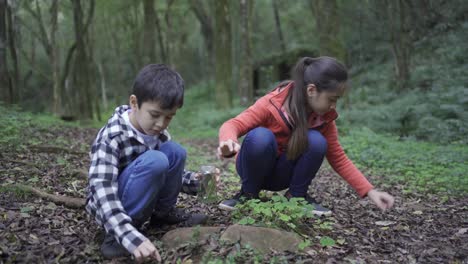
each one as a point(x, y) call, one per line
point(174, 151)
point(155, 162)
point(317, 142)
point(261, 139)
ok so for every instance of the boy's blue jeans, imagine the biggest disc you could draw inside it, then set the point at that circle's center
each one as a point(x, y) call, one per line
point(152, 181)
point(261, 169)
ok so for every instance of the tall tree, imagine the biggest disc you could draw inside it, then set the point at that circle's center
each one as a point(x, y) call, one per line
point(327, 23)
point(279, 31)
point(207, 30)
point(4, 75)
point(149, 42)
point(49, 43)
point(81, 77)
point(246, 70)
point(223, 55)
point(399, 28)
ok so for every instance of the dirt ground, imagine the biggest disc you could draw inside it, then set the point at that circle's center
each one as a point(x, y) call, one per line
point(421, 228)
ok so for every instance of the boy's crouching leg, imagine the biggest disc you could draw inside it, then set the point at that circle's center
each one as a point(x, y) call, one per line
point(141, 182)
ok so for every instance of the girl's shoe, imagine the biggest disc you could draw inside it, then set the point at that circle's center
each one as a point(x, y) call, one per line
point(240, 197)
point(318, 210)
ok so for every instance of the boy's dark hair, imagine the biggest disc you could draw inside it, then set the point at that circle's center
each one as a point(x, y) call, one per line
point(159, 83)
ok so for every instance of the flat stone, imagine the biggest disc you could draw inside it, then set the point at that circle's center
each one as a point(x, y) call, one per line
point(261, 238)
point(179, 236)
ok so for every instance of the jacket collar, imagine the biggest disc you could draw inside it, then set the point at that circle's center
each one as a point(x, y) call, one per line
point(279, 95)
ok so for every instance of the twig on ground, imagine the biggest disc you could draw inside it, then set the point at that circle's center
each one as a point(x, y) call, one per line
point(71, 202)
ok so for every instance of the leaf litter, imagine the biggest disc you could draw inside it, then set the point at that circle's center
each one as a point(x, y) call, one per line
point(421, 228)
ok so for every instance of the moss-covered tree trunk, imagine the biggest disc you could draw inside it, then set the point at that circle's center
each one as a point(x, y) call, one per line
point(82, 83)
point(327, 21)
point(246, 70)
point(149, 40)
point(5, 88)
point(223, 55)
point(399, 28)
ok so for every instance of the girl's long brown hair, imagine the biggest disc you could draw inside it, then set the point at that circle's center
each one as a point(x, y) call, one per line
point(327, 74)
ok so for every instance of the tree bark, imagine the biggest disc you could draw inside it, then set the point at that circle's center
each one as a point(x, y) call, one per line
point(399, 29)
point(5, 90)
point(223, 55)
point(81, 77)
point(278, 26)
point(206, 29)
point(327, 22)
point(149, 42)
point(246, 71)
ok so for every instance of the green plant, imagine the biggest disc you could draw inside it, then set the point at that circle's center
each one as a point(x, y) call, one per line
point(277, 212)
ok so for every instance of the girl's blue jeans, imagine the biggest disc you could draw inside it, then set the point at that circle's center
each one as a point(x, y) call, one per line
point(260, 168)
point(152, 181)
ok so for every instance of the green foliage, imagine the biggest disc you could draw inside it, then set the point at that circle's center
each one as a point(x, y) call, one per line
point(416, 165)
point(277, 212)
point(197, 118)
point(434, 106)
point(13, 122)
point(326, 241)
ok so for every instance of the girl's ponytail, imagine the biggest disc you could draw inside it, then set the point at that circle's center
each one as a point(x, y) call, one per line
point(297, 102)
point(327, 74)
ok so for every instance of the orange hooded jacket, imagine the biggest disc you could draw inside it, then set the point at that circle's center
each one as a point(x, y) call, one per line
point(266, 112)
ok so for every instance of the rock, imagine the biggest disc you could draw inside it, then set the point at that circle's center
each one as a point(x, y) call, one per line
point(176, 237)
point(261, 238)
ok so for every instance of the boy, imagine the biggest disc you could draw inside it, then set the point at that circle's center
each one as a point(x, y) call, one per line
point(136, 171)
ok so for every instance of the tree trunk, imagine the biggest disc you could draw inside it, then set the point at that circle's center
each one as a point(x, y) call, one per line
point(327, 23)
point(149, 42)
point(206, 29)
point(223, 55)
point(54, 59)
point(399, 33)
point(278, 26)
point(5, 86)
point(246, 71)
point(81, 77)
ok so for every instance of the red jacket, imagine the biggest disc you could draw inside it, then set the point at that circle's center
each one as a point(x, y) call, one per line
point(266, 113)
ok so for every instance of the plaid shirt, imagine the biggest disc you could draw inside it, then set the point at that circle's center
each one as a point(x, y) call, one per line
point(115, 147)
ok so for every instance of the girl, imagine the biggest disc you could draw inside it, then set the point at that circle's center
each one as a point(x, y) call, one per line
point(289, 132)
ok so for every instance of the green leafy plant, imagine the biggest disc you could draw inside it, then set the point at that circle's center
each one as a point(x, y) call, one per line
point(277, 212)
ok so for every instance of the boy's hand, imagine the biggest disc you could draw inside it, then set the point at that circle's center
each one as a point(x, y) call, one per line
point(228, 148)
point(146, 251)
point(383, 200)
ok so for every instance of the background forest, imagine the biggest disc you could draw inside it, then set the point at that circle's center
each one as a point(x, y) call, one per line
point(66, 64)
point(77, 59)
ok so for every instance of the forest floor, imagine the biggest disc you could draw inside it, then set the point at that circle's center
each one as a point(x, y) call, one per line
point(421, 228)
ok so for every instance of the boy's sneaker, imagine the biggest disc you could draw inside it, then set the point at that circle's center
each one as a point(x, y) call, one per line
point(318, 210)
point(230, 205)
point(177, 216)
point(111, 249)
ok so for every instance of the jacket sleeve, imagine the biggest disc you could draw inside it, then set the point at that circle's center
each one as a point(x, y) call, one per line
point(342, 164)
point(103, 183)
point(254, 116)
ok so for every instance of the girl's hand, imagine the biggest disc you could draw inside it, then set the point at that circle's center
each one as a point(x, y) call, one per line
point(228, 148)
point(146, 251)
point(383, 200)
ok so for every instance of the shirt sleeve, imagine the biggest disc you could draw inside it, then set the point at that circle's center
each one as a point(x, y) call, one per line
point(103, 175)
point(254, 116)
point(342, 164)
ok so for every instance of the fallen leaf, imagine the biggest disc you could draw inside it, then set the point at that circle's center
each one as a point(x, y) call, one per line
point(461, 231)
point(418, 212)
point(385, 223)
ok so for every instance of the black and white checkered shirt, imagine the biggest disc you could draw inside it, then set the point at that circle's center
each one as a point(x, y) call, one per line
point(116, 145)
